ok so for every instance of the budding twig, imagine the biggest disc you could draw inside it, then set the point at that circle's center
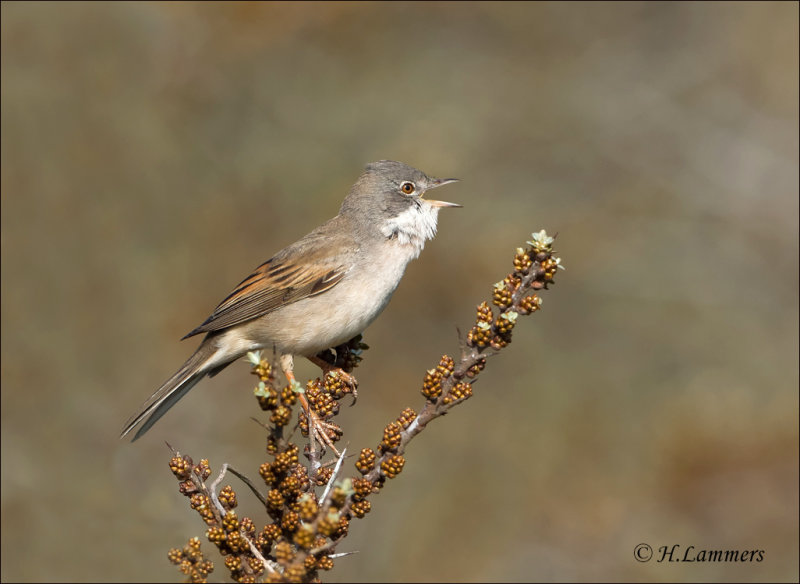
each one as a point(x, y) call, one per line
point(304, 529)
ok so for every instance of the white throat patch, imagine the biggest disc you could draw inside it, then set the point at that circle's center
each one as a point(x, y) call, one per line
point(414, 226)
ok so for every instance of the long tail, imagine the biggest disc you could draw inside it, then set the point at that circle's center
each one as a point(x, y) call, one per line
point(166, 396)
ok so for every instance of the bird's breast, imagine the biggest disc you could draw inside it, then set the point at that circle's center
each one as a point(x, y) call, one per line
point(340, 313)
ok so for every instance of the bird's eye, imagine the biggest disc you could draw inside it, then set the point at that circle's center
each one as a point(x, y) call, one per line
point(407, 187)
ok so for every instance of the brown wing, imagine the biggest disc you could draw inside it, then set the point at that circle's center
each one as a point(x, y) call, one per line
point(274, 283)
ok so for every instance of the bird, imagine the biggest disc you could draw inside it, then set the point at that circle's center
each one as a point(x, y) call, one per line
point(319, 292)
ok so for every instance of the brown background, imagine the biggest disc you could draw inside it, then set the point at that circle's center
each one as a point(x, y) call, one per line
point(154, 153)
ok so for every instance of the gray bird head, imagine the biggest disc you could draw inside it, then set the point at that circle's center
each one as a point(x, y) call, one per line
point(388, 188)
point(387, 200)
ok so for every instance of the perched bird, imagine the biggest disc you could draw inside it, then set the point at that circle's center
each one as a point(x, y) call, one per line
point(318, 292)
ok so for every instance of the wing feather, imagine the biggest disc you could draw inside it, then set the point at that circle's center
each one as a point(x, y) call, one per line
point(273, 284)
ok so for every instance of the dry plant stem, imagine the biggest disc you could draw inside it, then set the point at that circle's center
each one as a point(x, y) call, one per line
point(343, 554)
point(264, 561)
point(336, 469)
point(313, 453)
point(249, 483)
point(212, 491)
point(325, 504)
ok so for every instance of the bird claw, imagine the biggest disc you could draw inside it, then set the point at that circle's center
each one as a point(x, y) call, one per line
point(321, 431)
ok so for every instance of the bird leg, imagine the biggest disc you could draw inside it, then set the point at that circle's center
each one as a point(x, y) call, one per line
point(317, 429)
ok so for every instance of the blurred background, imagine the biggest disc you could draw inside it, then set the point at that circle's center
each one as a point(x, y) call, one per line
point(154, 153)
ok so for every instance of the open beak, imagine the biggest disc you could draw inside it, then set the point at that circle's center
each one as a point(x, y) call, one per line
point(440, 182)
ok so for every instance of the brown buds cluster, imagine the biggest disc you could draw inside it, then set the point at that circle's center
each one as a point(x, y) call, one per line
point(460, 391)
point(406, 417)
point(391, 437)
point(529, 304)
point(191, 561)
point(392, 466)
point(366, 460)
point(432, 383)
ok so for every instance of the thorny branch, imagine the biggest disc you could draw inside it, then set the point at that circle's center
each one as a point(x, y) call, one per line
point(305, 527)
